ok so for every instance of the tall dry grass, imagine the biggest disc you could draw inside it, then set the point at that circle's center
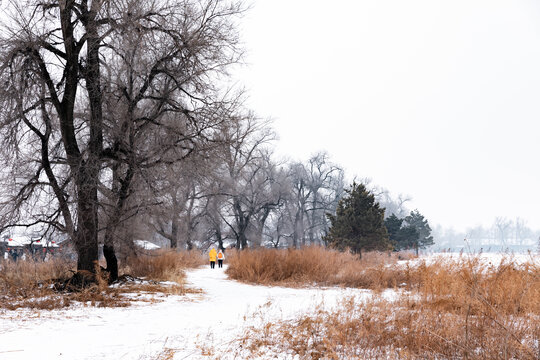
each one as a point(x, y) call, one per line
point(508, 286)
point(164, 265)
point(31, 284)
point(404, 329)
point(470, 283)
point(464, 308)
point(28, 283)
point(315, 265)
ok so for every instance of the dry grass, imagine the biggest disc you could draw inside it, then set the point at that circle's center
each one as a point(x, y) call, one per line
point(460, 308)
point(315, 265)
point(510, 288)
point(163, 265)
point(396, 330)
point(29, 284)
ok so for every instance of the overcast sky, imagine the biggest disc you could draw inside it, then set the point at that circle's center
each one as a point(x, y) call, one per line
point(436, 99)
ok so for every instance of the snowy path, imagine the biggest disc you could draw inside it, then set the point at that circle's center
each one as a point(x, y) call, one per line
point(179, 322)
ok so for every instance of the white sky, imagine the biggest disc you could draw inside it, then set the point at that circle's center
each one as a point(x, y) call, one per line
point(436, 99)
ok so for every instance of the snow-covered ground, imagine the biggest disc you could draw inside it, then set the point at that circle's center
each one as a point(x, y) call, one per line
point(190, 325)
point(486, 258)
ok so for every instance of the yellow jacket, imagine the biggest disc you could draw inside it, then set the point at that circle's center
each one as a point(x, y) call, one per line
point(212, 254)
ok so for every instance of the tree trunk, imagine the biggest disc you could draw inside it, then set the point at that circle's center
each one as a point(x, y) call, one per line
point(189, 241)
point(313, 220)
point(87, 173)
point(260, 226)
point(86, 237)
point(242, 221)
point(243, 240)
point(112, 262)
point(121, 190)
point(219, 238)
point(174, 232)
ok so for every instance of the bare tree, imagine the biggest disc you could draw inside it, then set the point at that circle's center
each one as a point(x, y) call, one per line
point(521, 231)
point(316, 188)
point(120, 85)
point(502, 226)
point(326, 185)
point(270, 188)
point(243, 159)
point(184, 197)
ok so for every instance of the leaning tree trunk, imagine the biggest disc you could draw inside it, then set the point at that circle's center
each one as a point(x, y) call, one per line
point(122, 193)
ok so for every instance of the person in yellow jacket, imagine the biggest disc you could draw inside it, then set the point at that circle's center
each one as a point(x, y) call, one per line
point(213, 255)
point(220, 258)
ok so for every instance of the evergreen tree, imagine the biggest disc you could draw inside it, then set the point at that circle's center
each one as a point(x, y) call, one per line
point(393, 226)
point(417, 220)
point(358, 223)
point(401, 236)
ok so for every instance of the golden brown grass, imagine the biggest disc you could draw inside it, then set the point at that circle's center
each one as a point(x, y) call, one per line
point(165, 265)
point(462, 308)
point(509, 287)
point(315, 265)
point(405, 329)
point(30, 284)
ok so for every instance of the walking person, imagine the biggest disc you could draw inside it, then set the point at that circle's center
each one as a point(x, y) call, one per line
point(220, 258)
point(212, 256)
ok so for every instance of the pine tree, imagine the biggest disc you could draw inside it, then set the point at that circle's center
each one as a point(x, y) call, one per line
point(417, 220)
point(393, 226)
point(358, 223)
point(402, 236)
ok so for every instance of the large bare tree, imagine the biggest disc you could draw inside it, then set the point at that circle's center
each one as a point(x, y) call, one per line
point(94, 94)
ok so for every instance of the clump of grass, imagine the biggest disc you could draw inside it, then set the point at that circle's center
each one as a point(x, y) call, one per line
point(166, 265)
point(31, 284)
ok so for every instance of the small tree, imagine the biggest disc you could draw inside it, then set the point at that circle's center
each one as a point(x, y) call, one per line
point(417, 220)
point(401, 236)
point(358, 223)
point(393, 226)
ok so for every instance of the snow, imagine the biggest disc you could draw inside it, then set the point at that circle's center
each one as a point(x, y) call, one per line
point(486, 258)
point(147, 245)
point(186, 324)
